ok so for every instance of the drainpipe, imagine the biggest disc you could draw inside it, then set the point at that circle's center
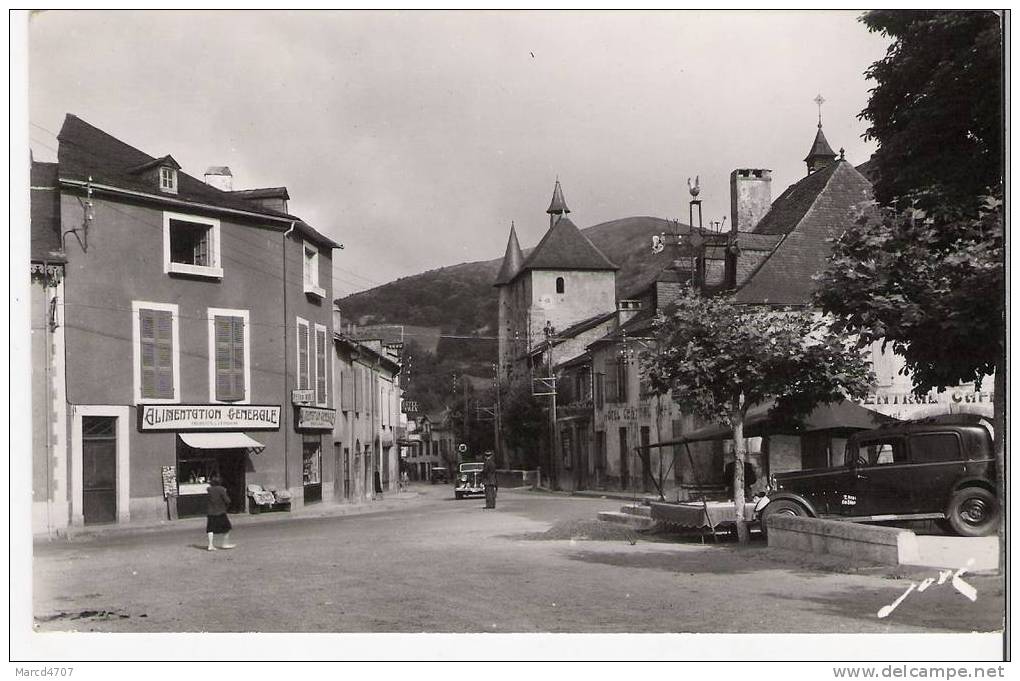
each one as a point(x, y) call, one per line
point(286, 359)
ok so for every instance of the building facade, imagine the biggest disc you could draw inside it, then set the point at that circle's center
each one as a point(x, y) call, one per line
point(195, 326)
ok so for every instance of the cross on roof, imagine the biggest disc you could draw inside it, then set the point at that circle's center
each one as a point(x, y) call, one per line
point(819, 100)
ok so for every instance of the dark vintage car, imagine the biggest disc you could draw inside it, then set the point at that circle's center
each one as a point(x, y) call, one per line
point(940, 468)
point(469, 481)
point(440, 474)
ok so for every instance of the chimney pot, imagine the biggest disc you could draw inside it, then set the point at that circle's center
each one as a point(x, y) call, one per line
point(219, 177)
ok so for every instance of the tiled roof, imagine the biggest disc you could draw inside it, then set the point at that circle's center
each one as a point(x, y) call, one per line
point(86, 151)
point(45, 214)
point(512, 259)
point(812, 211)
point(564, 248)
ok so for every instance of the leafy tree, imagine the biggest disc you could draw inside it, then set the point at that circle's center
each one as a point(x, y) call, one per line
point(925, 272)
point(720, 359)
point(525, 423)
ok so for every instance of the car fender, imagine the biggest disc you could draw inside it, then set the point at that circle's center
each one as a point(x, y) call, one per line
point(975, 481)
point(789, 496)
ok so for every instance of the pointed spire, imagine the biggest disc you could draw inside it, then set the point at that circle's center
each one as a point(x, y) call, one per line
point(557, 207)
point(821, 153)
point(512, 260)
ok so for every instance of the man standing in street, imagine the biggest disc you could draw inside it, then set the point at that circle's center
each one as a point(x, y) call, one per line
point(489, 479)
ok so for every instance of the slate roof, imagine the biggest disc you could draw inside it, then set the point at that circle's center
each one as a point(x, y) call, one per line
point(810, 212)
point(262, 192)
point(820, 147)
point(558, 204)
point(564, 248)
point(86, 151)
point(573, 330)
point(45, 214)
point(512, 259)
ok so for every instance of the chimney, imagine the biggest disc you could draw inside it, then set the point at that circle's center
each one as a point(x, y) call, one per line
point(626, 309)
point(219, 177)
point(337, 319)
point(750, 197)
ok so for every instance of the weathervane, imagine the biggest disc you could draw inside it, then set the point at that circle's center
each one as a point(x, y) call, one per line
point(819, 100)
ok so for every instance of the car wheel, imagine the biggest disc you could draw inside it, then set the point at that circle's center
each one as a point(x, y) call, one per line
point(973, 512)
point(780, 507)
point(458, 495)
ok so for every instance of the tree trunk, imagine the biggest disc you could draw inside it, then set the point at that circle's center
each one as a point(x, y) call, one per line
point(999, 423)
point(739, 455)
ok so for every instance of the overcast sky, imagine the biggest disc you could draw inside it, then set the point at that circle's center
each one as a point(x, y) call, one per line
point(415, 138)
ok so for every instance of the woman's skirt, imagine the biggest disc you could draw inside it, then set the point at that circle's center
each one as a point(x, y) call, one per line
point(217, 524)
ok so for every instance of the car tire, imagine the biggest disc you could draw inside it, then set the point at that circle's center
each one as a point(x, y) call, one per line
point(458, 495)
point(780, 507)
point(973, 512)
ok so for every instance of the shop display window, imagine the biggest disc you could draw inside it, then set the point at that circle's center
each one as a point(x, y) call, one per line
point(312, 459)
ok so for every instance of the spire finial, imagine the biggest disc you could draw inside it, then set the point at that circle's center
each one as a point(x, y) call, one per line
point(819, 100)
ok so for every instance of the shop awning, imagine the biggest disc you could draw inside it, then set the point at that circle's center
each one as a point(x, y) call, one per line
point(221, 441)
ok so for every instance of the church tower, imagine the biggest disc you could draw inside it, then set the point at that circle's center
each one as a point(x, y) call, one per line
point(508, 327)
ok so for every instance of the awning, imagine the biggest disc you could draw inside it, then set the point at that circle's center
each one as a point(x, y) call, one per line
point(843, 415)
point(221, 441)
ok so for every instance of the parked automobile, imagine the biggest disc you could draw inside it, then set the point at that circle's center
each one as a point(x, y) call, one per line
point(469, 480)
point(940, 468)
point(440, 474)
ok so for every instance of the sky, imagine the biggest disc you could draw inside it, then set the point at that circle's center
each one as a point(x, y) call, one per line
point(415, 138)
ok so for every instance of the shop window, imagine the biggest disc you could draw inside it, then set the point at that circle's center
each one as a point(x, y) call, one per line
point(320, 365)
point(303, 339)
point(157, 352)
point(191, 245)
point(311, 271)
point(311, 468)
point(229, 355)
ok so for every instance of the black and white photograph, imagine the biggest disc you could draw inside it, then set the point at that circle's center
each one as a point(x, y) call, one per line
point(522, 335)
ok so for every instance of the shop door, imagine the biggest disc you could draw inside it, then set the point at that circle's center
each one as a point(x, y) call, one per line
point(624, 460)
point(347, 473)
point(231, 464)
point(99, 469)
point(582, 459)
point(646, 459)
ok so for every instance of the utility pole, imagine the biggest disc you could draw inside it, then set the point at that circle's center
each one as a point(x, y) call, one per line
point(498, 425)
point(550, 334)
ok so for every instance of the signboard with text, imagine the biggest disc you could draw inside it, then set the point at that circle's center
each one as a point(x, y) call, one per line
point(316, 418)
point(302, 396)
point(172, 417)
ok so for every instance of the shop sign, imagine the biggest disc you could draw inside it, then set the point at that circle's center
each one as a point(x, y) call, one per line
point(302, 396)
point(946, 397)
point(316, 418)
point(152, 417)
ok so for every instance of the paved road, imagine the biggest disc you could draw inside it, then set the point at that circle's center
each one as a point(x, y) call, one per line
point(440, 565)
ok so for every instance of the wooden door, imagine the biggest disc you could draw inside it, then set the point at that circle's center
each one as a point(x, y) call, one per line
point(99, 469)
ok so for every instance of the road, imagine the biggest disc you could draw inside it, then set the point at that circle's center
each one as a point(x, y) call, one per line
point(440, 565)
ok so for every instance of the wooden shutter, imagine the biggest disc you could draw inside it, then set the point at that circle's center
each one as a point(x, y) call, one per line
point(356, 388)
point(347, 388)
point(622, 380)
point(320, 366)
point(229, 339)
point(612, 381)
point(302, 343)
point(157, 353)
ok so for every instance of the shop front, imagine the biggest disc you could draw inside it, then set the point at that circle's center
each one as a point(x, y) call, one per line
point(209, 442)
point(316, 427)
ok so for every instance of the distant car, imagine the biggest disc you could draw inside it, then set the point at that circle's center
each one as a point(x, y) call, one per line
point(440, 474)
point(940, 468)
point(469, 481)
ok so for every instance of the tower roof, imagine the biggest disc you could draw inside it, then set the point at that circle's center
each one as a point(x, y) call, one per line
point(512, 260)
point(820, 149)
point(557, 205)
point(564, 247)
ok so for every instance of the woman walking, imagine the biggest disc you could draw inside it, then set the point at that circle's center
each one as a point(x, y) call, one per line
point(217, 521)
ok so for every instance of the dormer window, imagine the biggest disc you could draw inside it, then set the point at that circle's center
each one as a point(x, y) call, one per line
point(311, 271)
point(168, 179)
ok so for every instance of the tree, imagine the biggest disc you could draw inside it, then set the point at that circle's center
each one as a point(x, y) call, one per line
point(525, 423)
point(719, 359)
point(925, 271)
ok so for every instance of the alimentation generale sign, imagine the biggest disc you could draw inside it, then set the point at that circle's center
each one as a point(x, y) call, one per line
point(161, 417)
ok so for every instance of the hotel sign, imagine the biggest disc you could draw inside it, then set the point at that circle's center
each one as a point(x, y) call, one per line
point(173, 417)
point(302, 396)
point(316, 418)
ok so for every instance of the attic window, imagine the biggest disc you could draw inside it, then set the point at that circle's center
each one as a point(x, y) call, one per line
point(560, 285)
point(168, 179)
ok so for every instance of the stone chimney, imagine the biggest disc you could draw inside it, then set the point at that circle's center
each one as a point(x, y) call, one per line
point(626, 309)
point(220, 177)
point(750, 197)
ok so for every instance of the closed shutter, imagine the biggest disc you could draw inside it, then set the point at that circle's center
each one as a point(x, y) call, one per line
point(229, 337)
point(622, 380)
point(612, 381)
point(347, 388)
point(157, 353)
point(302, 343)
point(356, 388)
point(600, 390)
point(320, 366)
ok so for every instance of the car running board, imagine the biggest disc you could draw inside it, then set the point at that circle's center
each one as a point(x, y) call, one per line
point(883, 518)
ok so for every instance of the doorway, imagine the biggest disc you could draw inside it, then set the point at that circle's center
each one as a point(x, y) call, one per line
point(99, 469)
point(646, 459)
point(624, 460)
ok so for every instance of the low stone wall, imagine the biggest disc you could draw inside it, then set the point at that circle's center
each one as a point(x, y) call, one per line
point(870, 543)
point(516, 478)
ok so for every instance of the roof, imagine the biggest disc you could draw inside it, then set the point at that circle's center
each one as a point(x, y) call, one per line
point(810, 213)
point(45, 214)
point(86, 152)
point(558, 204)
point(820, 147)
point(261, 193)
point(512, 259)
point(218, 170)
point(573, 330)
point(564, 248)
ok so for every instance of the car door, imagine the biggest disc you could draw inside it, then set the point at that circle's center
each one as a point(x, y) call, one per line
point(937, 463)
point(882, 477)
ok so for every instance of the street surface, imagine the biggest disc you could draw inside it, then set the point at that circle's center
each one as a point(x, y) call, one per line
point(441, 565)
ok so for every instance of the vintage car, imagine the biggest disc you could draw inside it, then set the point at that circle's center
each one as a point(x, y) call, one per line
point(940, 468)
point(440, 474)
point(469, 480)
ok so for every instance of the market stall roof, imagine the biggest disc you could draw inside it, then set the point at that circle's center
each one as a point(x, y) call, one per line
point(843, 415)
point(221, 441)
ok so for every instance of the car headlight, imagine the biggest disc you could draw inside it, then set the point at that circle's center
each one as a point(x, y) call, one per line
point(463, 478)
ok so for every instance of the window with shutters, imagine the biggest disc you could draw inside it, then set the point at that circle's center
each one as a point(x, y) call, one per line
point(191, 245)
point(321, 365)
point(303, 355)
point(229, 355)
point(611, 381)
point(156, 344)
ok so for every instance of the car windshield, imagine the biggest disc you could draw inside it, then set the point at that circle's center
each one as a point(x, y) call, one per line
point(471, 467)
